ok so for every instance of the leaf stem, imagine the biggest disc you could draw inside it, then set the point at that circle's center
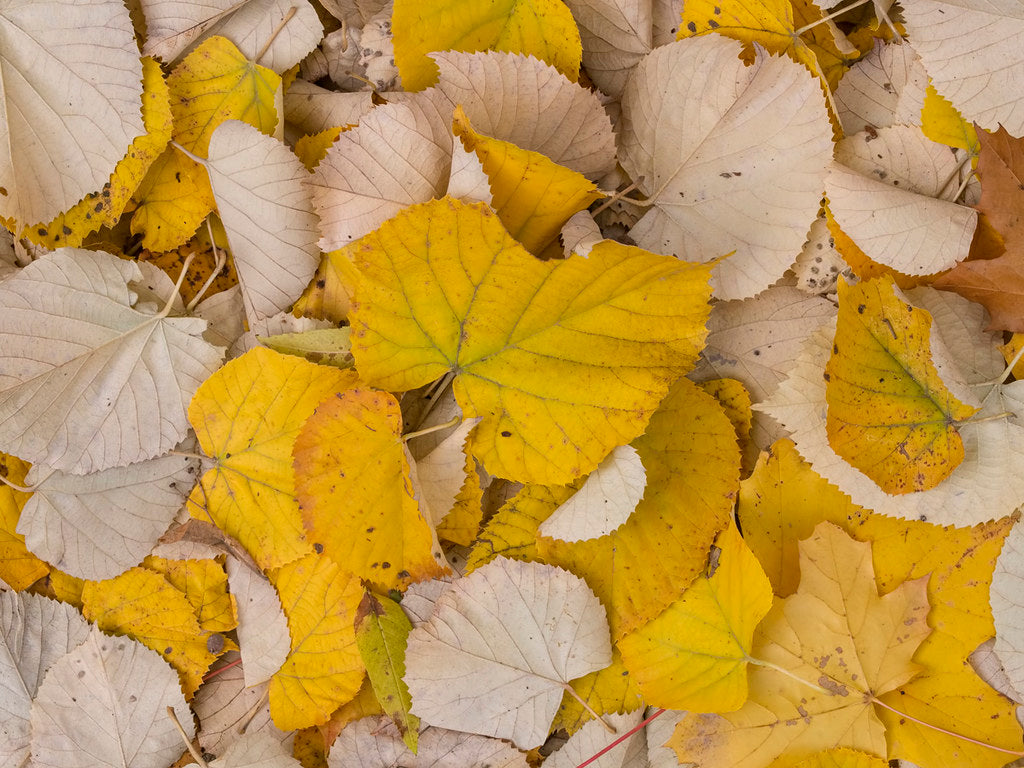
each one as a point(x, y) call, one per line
point(16, 487)
point(620, 195)
point(194, 158)
point(572, 692)
point(832, 15)
point(622, 738)
point(176, 294)
point(452, 422)
point(273, 35)
point(219, 261)
point(954, 734)
point(184, 737)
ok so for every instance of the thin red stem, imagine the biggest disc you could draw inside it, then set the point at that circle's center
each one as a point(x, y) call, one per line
point(621, 739)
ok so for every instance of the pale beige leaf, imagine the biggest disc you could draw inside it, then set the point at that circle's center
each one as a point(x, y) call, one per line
point(819, 265)
point(374, 742)
point(87, 382)
point(105, 704)
point(262, 626)
point(69, 106)
point(254, 750)
point(523, 100)
point(308, 108)
point(399, 155)
point(890, 190)
point(974, 52)
point(494, 657)
point(467, 180)
point(95, 526)
point(173, 26)
point(440, 475)
point(268, 216)
point(884, 88)
point(592, 738)
point(743, 172)
point(580, 234)
point(8, 258)
point(224, 314)
point(419, 600)
point(34, 633)
point(658, 732)
point(1007, 599)
point(616, 34)
point(226, 708)
point(604, 502)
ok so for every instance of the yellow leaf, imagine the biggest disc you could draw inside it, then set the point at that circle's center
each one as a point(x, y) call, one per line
point(512, 531)
point(329, 295)
point(246, 416)
point(462, 524)
point(352, 482)
point(19, 568)
point(323, 346)
point(694, 655)
point(323, 670)
point(313, 148)
point(562, 360)
point(942, 123)
point(142, 604)
point(205, 585)
point(822, 653)
point(104, 208)
point(772, 24)
point(735, 401)
point(842, 758)
point(532, 195)
point(214, 83)
point(364, 704)
point(608, 691)
point(382, 629)
point(889, 413)
point(544, 29)
point(692, 461)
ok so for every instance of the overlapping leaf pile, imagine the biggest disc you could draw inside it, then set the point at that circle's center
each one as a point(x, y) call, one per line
point(375, 427)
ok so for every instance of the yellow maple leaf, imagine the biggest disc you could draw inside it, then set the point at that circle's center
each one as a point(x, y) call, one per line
point(532, 195)
point(562, 360)
point(19, 568)
point(323, 669)
point(214, 83)
point(104, 208)
point(352, 483)
point(889, 412)
point(142, 604)
point(247, 416)
point(205, 585)
point(541, 28)
point(694, 655)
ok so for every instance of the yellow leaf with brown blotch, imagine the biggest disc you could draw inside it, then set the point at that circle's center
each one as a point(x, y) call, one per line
point(889, 412)
point(352, 483)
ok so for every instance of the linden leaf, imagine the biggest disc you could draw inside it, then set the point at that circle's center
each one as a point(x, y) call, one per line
point(500, 648)
point(942, 123)
point(262, 626)
point(55, 407)
point(1008, 608)
point(323, 669)
point(694, 655)
point(606, 691)
point(616, 34)
point(594, 737)
point(253, 749)
point(886, 87)
point(705, 185)
point(353, 486)
point(541, 28)
point(247, 416)
point(890, 414)
point(543, 350)
point(104, 705)
point(88, 103)
point(19, 568)
point(827, 651)
point(326, 346)
point(205, 585)
point(381, 632)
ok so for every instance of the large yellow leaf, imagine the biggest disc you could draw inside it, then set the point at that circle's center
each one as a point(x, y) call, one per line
point(214, 83)
point(532, 195)
point(541, 28)
point(246, 416)
point(562, 360)
point(323, 670)
point(889, 412)
point(352, 483)
point(142, 604)
point(826, 652)
point(205, 585)
point(694, 655)
point(19, 568)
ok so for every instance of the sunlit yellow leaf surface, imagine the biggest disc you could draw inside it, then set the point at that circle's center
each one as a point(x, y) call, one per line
point(352, 482)
point(607, 691)
point(246, 416)
point(329, 295)
point(532, 195)
point(323, 670)
point(205, 585)
point(694, 655)
point(889, 413)
point(19, 568)
point(942, 123)
point(541, 28)
point(562, 360)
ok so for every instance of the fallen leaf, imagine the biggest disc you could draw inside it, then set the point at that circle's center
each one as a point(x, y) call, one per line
point(255, 749)
point(262, 626)
point(309, 107)
point(593, 737)
point(607, 691)
point(615, 34)
point(326, 346)
point(942, 123)
point(443, 472)
point(1008, 609)
point(205, 585)
point(501, 646)
point(885, 87)
point(19, 568)
point(702, 187)
point(550, 429)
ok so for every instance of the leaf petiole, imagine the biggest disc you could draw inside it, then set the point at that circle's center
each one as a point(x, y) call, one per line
point(572, 692)
point(184, 737)
point(452, 422)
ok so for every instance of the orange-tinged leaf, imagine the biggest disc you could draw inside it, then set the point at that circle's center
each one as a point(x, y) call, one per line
point(143, 605)
point(562, 360)
point(352, 483)
point(19, 568)
point(834, 645)
point(205, 585)
point(246, 416)
point(541, 28)
point(532, 195)
point(323, 670)
point(694, 655)
point(692, 461)
point(889, 412)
